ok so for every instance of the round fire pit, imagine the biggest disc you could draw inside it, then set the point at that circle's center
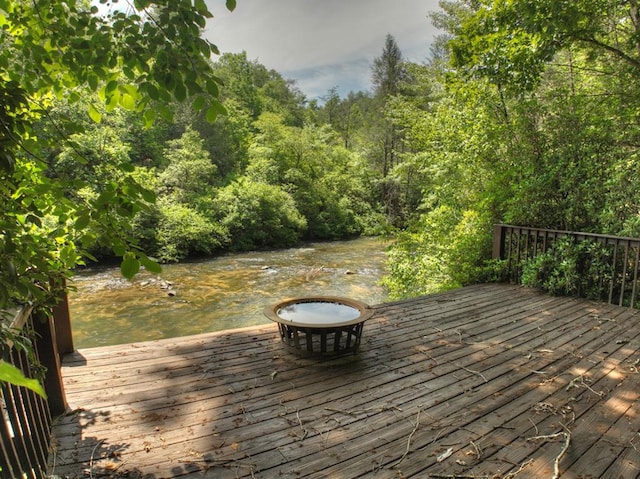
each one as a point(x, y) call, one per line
point(320, 326)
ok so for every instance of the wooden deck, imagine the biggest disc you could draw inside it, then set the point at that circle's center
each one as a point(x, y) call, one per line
point(490, 381)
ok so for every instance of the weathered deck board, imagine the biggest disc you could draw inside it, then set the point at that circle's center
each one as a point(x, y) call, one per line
point(451, 385)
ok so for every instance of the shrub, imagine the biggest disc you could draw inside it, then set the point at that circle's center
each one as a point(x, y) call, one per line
point(571, 268)
point(258, 215)
point(183, 232)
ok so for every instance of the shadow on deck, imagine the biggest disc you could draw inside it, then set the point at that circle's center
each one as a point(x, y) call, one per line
point(487, 381)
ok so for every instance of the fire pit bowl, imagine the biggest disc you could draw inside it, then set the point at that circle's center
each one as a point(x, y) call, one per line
point(320, 326)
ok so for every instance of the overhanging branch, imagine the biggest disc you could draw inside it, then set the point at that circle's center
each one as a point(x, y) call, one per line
point(634, 62)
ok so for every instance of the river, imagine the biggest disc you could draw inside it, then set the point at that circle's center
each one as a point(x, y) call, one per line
point(224, 292)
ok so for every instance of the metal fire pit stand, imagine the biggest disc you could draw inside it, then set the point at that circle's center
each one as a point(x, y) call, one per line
point(330, 337)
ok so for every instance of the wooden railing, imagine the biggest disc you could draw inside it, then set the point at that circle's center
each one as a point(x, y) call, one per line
point(517, 244)
point(25, 429)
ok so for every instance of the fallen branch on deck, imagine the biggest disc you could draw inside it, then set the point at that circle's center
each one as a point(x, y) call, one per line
point(304, 431)
point(473, 372)
point(415, 428)
point(565, 447)
point(580, 382)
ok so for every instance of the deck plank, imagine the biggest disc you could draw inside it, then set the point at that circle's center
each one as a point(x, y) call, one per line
point(449, 385)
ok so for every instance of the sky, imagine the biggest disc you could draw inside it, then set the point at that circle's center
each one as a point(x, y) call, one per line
point(322, 44)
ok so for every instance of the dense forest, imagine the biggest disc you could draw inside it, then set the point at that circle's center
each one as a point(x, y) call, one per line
point(526, 113)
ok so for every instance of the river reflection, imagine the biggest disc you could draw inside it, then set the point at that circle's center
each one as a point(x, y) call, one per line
point(220, 293)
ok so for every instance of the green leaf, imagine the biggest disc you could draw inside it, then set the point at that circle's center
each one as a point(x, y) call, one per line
point(105, 198)
point(94, 114)
point(219, 107)
point(150, 265)
point(201, 7)
point(127, 101)
point(149, 118)
point(200, 21)
point(180, 92)
point(211, 114)
point(111, 86)
point(212, 87)
point(198, 103)
point(141, 4)
point(82, 222)
point(93, 82)
point(216, 108)
point(151, 90)
point(12, 375)
point(119, 249)
point(231, 5)
point(129, 266)
point(127, 167)
point(148, 195)
point(7, 163)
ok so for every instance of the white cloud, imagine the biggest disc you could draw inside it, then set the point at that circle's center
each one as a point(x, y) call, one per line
point(322, 43)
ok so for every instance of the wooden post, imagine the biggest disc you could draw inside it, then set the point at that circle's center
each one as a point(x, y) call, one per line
point(46, 345)
point(62, 321)
point(498, 243)
point(62, 318)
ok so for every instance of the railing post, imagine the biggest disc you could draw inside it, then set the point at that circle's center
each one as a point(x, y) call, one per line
point(498, 241)
point(62, 322)
point(48, 356)
point(61, 317)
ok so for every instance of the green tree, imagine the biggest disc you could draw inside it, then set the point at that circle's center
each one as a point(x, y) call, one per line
point(181, 231)
point(388, 70)
point(512, 42)
point(259, 89)
point(389, 73)
point(258, 215)
point(346, 115)
point(242, 80)
point(190, 173)
point(325, 180)
point(455, 163)
point(227, 139)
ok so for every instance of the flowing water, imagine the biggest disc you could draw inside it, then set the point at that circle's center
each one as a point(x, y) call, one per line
point(225, 292)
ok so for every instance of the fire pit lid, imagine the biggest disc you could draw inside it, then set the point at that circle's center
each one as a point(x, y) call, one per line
point(319, 312)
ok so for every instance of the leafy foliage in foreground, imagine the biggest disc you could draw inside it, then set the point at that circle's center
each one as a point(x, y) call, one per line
point(64, 192)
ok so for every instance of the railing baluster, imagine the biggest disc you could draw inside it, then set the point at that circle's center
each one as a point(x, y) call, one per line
point(526, 244)
point(518, 253)
point(508, 237)
point(498, 241)
point(635, 277)
point(37, 428)
point(623, 277)
point(613, 271)
point(7, 436)
point(20, 435)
